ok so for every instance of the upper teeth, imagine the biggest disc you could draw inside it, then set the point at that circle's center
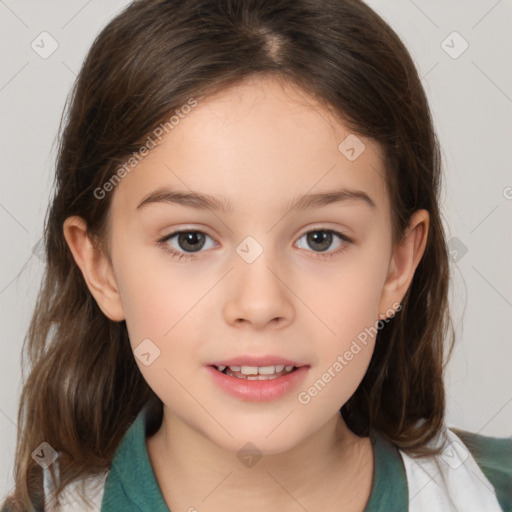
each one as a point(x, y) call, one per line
point(255, 370)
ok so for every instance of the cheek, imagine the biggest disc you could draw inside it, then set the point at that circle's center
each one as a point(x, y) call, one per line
point(159, 320)
point(153, 297)
point(348, 306)
point(148, 309)
point(347, 300)
point(162, 303)
point(345, 347)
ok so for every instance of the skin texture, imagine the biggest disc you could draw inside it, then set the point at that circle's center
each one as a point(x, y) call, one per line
point(259, 144)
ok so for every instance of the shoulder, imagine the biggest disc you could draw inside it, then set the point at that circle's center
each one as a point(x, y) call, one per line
point(494, 456)
point(83, 495)
point(455, 480)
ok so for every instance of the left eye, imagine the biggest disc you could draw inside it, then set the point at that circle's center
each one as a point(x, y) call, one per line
point(191, 241)
point(324, 238)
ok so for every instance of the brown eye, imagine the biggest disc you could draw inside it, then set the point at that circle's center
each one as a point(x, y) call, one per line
point(191, 240)
point(187, 243)
point(321, 239)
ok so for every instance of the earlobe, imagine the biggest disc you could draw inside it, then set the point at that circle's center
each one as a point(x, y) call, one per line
point(406, 257)
point(95, 267)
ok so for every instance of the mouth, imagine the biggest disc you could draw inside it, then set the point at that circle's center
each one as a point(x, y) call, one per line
point(258, 379)
point(256, 372)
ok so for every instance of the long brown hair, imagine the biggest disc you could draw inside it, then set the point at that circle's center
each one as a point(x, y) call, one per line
point(84, 388)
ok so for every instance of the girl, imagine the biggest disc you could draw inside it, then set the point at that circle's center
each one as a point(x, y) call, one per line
point(245, 301)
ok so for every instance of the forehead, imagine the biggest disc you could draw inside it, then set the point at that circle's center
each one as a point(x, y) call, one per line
point(258, 144)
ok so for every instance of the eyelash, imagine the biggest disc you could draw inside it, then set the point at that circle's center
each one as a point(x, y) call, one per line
point(181, 255)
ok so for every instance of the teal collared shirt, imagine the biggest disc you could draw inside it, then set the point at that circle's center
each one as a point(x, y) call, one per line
point(131, 484)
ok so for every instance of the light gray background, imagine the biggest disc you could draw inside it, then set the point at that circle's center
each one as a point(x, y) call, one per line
point(471, 99)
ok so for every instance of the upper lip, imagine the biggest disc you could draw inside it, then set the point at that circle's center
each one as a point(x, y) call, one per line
point(257, 361)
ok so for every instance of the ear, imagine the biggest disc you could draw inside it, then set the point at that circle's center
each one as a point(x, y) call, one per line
point(406, 257)
point(95, 266)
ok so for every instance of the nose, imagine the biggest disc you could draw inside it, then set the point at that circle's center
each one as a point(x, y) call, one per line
point(258, 294)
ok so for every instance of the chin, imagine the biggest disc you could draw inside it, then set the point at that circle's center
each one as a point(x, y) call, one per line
point(265, 437)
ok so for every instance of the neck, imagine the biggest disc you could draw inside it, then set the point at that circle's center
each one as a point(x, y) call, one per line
point(332, 462)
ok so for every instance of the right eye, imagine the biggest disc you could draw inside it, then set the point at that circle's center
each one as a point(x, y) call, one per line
point(186, 240)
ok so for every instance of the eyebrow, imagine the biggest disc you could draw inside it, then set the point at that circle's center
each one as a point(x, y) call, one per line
point(202, 201)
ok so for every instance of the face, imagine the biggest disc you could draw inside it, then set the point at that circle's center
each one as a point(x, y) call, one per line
point(201, 285)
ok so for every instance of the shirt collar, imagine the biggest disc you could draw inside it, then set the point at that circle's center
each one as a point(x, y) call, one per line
point(131, 480)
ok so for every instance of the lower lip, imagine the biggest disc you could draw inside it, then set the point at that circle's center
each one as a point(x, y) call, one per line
point(258, 390)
